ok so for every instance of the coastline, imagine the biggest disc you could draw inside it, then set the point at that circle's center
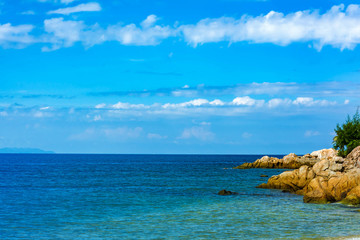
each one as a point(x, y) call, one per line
point(321, 177)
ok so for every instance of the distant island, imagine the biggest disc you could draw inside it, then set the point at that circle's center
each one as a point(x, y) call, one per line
point(23, 150)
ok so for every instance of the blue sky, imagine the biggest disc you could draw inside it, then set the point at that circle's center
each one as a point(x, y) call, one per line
point(136, 76)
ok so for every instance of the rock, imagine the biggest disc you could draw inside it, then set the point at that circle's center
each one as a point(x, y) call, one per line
point(338, 159)
point(290, 161)
point(263, 175)
point(324, 153)
point(353, 197)
point(316, 192)
point(292, 181)
point(226, 193)
point(308, 155)
point(331, 179)
point(353, 158)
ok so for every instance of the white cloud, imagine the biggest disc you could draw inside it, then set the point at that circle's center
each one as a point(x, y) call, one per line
point(148, 35)
point(29, 12)
point(62, 33)
point(308, 101)
point(247, 101)
point(347, 101)
point(15, 36)
point(338, 27)
point(200, 133)
point(101, 105)
point(276, 102)
point(217, 102)
point(197, 102)
point(155, 136)
point(192, 103)
point(149, 21)
point(3, 114)
point(57, 1)
point(121, 105)
point(310, 133)
point(84, 7)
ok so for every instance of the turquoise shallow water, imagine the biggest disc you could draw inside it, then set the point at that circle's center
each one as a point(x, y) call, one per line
point(154, 197)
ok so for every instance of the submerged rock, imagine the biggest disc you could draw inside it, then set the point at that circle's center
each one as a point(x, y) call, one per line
point(226, 193)
point(263, 175)
point(331, 179)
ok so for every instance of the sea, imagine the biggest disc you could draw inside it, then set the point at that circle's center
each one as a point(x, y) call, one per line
point(82, 196)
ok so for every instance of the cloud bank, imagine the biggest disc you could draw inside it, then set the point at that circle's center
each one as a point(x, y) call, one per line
point(196, 107)
point(338, 27)
point(320, 89)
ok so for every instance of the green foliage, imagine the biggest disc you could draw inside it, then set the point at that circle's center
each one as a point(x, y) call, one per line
point(348, 135)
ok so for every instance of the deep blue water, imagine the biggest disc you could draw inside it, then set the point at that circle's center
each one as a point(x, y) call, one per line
point(54, 196)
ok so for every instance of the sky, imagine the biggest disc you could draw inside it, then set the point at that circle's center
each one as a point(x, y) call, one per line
point(179, 77)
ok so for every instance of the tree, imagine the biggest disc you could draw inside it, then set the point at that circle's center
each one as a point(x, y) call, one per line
point(348, 135)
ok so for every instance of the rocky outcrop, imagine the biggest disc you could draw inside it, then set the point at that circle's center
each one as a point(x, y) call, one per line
point(290, 161)
point(227, 193)
point(332, 179)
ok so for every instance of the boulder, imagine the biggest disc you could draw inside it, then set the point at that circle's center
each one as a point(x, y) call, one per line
point(353, 159)
point(324, 153)
point(316, 192)
point(353, 197)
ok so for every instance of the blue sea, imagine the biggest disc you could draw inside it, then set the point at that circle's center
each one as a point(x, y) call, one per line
point(55, 196)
